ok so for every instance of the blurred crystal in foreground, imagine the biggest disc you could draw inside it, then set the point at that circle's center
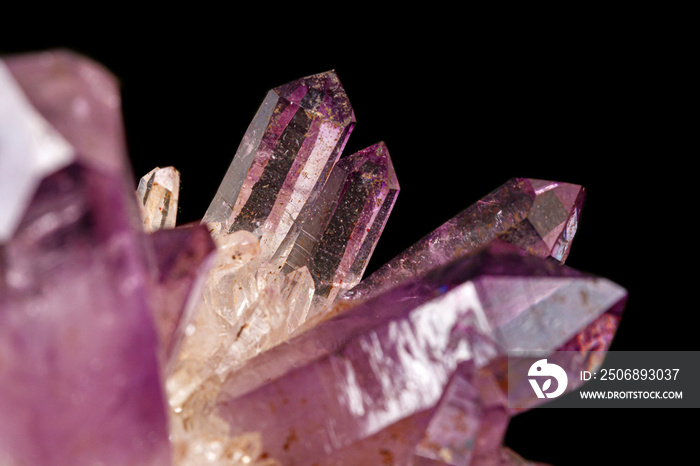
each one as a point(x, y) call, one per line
point(79, 375)
point(409, 366)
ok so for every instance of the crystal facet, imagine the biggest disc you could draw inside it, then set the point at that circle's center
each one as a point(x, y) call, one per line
point(461, 425)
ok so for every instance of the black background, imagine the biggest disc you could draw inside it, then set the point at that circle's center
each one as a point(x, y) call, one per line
point(462, 112)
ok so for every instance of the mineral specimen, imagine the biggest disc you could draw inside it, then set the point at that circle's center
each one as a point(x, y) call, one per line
point(268, 346)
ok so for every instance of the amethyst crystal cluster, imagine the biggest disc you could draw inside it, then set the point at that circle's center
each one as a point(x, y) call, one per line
point(250, 339)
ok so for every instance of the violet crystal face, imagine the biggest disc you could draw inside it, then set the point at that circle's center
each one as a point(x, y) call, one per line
point(252, 339)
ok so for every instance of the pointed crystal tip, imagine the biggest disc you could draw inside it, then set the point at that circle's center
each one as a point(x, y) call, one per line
point(320, 93)
point(373, 160)
point(158, 193)
point(554, 214)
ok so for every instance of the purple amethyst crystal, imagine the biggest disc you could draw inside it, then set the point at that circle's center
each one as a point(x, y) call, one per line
point(390, 358)
point(412, 366)
point(79, 374)
point(538, 216)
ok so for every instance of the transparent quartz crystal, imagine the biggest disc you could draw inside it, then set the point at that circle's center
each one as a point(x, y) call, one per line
point(158, 193)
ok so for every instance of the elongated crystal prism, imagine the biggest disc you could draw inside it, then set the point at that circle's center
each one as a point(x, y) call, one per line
point(390, 358)
point(539, 216)
point(79, 374)
point(335, 236)
point(158, 192)
point(291, 145)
